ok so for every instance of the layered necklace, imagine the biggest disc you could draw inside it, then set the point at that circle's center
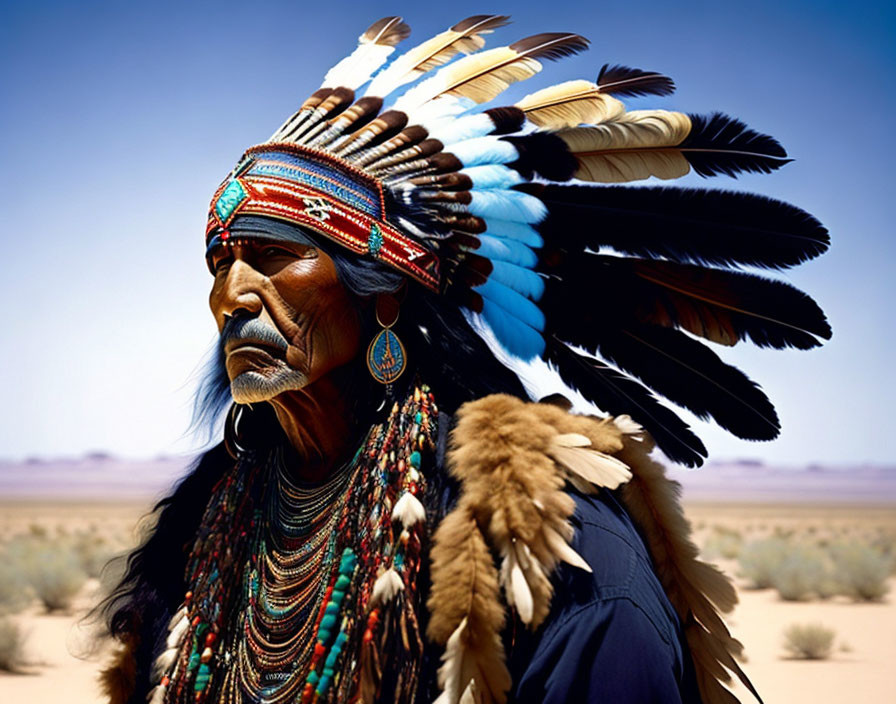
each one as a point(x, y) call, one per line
point(305, 593)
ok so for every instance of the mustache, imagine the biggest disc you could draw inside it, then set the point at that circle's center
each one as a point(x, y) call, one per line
point(237, 330)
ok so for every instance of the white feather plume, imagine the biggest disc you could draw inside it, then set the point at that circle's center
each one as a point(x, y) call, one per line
point(493, 176)
point(408, 510)
point(387, 585)
point(374, 47)
point(514, 206)
point(484, 150)
point(176, 635)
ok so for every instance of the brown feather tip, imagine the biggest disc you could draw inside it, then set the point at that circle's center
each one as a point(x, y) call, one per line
point(551, 45)
point(388, 31)
point(337, 101)
point(447, 182)
point(507, 120)
point(466, 223)
point(444, 162)
point(558, 400)
point(316, 98)
point(481, 23)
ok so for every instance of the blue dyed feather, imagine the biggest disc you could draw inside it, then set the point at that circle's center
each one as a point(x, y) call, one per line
point(500, 249)
point(524, 281)
point(514, 335)
point(484, 150)
point(507, 205)
point(493, 176)
point(513, 303)
point(519, 231)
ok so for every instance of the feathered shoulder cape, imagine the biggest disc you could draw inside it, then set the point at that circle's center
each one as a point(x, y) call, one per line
point(514, 462)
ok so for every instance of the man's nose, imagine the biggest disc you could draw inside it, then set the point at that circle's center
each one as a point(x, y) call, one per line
point(241, 291)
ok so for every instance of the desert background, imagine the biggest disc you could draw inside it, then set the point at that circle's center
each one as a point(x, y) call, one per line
point(811, 551)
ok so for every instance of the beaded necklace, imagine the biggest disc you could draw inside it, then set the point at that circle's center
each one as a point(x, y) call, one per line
point(306, 593)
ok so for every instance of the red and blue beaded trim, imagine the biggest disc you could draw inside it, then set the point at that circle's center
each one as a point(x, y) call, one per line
point(318, 191)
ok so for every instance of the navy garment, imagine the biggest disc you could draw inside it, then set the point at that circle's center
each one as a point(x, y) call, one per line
point(612, 637)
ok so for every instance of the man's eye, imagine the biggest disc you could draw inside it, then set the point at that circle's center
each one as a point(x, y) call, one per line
point(220, 264)
point(276, 252)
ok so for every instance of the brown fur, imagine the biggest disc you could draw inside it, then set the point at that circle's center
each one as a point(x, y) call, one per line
point(698, 591)
point(118, 680)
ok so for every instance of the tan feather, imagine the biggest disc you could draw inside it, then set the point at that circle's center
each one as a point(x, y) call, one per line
point(482, 77)
point(463, 38)
point(696, 590)
point(465, 610)
point(570, 104)
point(636, 145)
point(600, 469)
point(561, 548)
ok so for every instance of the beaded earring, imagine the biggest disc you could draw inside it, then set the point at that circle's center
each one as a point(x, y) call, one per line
point(386, 356)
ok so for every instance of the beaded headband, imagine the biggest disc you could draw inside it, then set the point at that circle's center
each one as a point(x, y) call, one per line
point(322, 193)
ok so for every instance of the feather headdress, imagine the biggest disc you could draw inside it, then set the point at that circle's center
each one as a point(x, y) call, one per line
point(514, 213)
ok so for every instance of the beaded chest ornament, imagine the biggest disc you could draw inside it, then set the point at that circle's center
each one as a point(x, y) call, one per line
point(300, 593)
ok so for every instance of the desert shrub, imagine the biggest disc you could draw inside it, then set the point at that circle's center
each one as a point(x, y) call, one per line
point(13, 587)
point(12, 645)
point(861, 571)
point(723, 542)
point(810, 641)
point(93, 552)
point(50, 567)
point(760, 561)
point(802, 573)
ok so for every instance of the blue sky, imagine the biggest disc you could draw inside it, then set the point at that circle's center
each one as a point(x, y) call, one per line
point(119, 119)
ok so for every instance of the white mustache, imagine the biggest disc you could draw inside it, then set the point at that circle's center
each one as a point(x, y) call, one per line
point(238, 330)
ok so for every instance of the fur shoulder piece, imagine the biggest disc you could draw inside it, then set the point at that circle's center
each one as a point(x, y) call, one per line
point(514, 461)
point(118, 678)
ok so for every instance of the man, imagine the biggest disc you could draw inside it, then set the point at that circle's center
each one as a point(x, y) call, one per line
point(387, 517)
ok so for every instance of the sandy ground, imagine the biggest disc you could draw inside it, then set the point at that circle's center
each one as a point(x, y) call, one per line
point(860, 669)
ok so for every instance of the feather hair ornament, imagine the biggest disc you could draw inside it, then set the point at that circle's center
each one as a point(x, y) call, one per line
point(570, 104)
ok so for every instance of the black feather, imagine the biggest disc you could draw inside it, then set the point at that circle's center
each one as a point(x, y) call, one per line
point(550, 45)
point(617, 394)
point(690, 375)
point(507, 120)
point(720, 144)
point(544, 154)
point(622, 80)
point(721, 305)
point(682, 224)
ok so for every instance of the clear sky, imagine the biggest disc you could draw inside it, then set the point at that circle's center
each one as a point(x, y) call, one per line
point(117, 121)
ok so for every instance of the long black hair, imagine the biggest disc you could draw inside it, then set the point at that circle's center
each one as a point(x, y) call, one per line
point(443, 351)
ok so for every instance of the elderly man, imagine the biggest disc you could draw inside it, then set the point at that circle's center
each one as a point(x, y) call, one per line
point(387, 517)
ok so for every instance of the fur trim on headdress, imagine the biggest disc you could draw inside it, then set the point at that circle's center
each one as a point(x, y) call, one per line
point(513, 460)
point(117, 681)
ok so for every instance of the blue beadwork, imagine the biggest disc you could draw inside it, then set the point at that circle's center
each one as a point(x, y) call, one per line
point(229, 200)
point(319, 176)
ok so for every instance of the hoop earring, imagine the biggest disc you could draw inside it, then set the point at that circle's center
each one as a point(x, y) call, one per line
point(386, 355)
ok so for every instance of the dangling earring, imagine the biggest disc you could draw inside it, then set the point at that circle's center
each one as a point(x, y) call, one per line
point(386, 356)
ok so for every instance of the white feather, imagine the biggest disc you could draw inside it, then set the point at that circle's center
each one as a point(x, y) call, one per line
point(451, 678)
point(629, 427)
point(177, 633)
point(522, 595)
point(157, 696)
point(387, 585)
point(484, 150)
point(514, 206)
point(596, 467)
point(408, 510)
point(493, 176)
point(163, 663)
point(463, 128)
point(438, 113)
point(562, 550)
point(571, 440)
point(178, 615)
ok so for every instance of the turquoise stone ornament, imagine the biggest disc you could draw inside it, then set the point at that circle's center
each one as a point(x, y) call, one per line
point(386, 357)
point(230, 199)
point(375, 239)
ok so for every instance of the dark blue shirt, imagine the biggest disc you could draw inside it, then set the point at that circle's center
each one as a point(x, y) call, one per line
point(612, 636)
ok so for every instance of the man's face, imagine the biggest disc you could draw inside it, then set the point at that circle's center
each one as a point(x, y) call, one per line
point(285, 318)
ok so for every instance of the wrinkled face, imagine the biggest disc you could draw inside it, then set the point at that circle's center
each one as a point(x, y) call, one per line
point(284, 317)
